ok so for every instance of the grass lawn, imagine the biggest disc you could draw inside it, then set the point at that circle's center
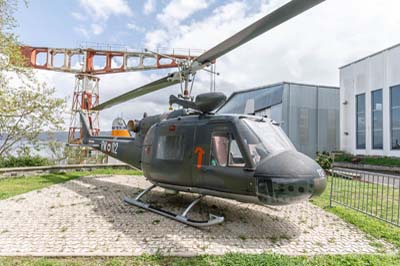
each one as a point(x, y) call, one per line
point(228, 260)
point(373, 227)
point(13, 186)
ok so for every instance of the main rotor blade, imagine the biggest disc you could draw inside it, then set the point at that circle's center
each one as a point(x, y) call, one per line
point(282, 14)
point(151, 87)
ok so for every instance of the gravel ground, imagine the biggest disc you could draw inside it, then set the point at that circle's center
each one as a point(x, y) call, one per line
point(87, 217)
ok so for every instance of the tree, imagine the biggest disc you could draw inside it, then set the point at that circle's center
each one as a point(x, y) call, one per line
point(27, 107)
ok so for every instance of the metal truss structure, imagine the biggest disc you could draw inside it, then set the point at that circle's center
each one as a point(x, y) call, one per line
point(86, 95)
point(86, 64)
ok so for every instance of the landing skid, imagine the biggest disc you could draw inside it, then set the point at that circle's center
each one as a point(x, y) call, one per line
point(182, 217)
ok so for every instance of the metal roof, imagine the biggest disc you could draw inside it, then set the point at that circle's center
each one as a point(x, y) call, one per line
point(371, 55)
point(273, 86)
point(280, 83)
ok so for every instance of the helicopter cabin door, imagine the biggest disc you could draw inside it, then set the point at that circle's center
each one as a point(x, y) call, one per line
point(222, 164)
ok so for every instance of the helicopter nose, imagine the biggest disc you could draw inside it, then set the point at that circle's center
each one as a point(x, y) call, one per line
point(288, 177)
point(319, 183)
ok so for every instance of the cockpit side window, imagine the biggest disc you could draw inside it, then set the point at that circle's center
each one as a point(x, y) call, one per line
point(225, 151)
point(170, 148)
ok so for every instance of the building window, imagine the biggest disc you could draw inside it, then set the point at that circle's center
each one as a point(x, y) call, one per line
point(395, 116)
point(377, 120)
point(360, 121)
point(170, 148)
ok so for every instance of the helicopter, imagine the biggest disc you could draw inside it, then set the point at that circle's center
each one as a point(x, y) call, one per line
point(193, 149)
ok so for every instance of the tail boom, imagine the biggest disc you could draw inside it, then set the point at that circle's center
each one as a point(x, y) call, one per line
point(127, 150)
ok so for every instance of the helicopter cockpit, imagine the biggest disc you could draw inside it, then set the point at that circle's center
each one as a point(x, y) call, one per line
point(260, 137)
point(282, 173)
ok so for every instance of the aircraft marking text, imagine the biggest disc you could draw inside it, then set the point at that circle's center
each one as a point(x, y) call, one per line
point(109, 147)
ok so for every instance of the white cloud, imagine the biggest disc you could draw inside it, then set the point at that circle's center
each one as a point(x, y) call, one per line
point(133, 26)
point(81, 30)
point(212, 27)
point(173, 14)
point(78, 16)
point(157, 38)
point(179, 10)
point(103, 9)
point(149, 7)
point(97, 29)
point(99, 11)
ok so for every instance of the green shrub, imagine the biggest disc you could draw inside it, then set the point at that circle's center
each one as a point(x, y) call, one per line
point(325, 160)
point(22, 161)
point(344, 158)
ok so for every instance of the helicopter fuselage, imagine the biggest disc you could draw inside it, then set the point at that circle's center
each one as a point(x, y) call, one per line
point(246, 158)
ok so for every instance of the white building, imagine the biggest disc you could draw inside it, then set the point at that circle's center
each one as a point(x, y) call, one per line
point(370, 104)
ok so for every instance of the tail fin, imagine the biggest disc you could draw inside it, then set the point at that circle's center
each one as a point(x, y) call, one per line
point(85, 128)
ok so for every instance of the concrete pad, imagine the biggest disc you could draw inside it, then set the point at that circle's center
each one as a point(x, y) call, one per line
point(87, 217)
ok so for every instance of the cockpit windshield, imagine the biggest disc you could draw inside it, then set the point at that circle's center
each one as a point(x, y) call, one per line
point(269, 139)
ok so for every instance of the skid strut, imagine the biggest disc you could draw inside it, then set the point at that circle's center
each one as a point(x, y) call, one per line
point(182, 217)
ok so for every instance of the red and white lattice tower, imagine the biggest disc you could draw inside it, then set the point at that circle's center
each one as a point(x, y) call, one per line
point(86, 95)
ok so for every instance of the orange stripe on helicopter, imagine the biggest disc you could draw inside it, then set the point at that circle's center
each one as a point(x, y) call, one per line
point(200, 153)
point(120, 133)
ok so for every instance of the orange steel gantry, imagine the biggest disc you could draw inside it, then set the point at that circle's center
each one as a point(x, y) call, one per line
point(86, 64)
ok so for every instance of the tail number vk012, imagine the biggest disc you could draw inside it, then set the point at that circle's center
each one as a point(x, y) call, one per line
point(109, 147)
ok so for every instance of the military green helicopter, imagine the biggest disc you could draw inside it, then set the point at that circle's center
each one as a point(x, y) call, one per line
point(192, 149)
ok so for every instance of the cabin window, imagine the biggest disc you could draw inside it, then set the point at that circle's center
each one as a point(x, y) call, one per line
point(225, 151)
point(219, 150)
point(170, 148)
point(235, 156)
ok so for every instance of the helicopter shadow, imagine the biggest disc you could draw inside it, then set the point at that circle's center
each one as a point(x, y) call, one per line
point(246, 225)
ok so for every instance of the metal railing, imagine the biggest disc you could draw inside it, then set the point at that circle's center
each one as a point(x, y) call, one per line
point(374, 194)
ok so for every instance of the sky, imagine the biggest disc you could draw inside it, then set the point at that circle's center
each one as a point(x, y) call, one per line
point(308, 49)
